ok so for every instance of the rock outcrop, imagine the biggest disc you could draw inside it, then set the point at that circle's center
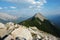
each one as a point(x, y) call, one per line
point(20, 32)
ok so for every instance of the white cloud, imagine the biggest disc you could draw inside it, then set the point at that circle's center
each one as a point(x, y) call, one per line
point(13, 7)
point(32, 2)
point(30, 6)
point(5, 7)
point(29, 1)
point(1, 8)
point(37, 4)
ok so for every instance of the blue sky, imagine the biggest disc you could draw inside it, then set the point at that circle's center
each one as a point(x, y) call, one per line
point(30, 7)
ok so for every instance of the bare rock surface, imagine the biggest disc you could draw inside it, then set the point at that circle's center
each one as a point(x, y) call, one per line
point(20, 32)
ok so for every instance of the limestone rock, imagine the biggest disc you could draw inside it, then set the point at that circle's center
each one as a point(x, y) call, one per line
point(2, 30)
point(22, 32)
point(10, 37)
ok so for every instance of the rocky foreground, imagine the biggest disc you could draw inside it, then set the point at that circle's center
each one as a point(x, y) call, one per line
point(11, 31)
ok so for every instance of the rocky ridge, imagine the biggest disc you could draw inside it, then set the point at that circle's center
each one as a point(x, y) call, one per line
point(11, 31)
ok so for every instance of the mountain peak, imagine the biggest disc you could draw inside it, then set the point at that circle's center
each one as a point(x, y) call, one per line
point(41, 23)
point(40, 16)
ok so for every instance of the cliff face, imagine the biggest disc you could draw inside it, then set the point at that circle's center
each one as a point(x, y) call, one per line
point(42, 24)
point(11, 31)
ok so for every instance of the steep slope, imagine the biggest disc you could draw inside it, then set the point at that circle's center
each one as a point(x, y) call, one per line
point(42, 24)
point(20, 19)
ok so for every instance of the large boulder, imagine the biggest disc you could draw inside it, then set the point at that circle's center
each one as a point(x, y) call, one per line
point(10, 25)
point(2, 26)
point(2, 30)
point(22, 32)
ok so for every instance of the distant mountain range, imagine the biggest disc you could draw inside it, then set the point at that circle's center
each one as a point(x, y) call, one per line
point(4, 18)
point(41, 23)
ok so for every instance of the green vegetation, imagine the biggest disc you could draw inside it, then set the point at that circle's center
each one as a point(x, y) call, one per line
point(45, 26)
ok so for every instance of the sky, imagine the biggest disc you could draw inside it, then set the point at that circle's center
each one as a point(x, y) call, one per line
point(30, 7)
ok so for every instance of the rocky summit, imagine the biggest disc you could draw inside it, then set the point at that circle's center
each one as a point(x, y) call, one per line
point(12, 31)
